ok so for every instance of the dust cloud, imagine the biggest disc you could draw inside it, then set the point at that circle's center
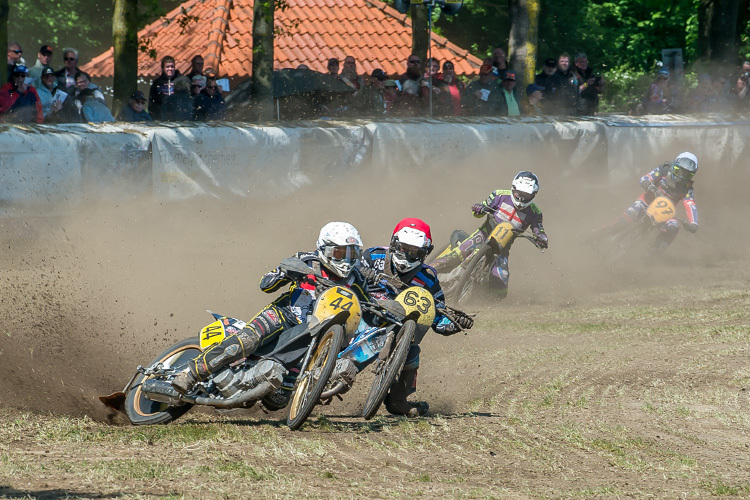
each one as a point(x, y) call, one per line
point(89, 296)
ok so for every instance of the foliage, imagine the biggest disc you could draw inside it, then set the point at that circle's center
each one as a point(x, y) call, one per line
point(624, 34)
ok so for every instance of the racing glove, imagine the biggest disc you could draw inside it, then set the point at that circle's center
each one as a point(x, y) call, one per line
point(369, 274)
point(653, 189)
point(542, 241)
point(478, 209)
point(465, 322)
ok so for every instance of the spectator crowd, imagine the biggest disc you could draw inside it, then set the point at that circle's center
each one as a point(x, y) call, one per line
point(563, 87)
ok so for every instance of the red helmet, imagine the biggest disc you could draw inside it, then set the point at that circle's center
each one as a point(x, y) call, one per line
point(411, 243)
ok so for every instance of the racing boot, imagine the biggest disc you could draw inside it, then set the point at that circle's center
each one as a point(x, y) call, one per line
point(216, 357)
point(395, 401)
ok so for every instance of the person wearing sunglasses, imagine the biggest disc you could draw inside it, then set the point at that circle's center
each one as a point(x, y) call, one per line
point(336, 258)
point(411, 243)
point(209, 103)
point(516, 206)
point(674, 180)
point(14, 57)
point(66, 76)
point(19, 101)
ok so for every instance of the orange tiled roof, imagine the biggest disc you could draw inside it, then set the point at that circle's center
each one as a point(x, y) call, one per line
point(374, 33)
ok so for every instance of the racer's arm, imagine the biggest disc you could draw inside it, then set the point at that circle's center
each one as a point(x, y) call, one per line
point(652, 178)
point(537, 227)
point(490, 202)
point(276, 279)
point(441, 324)
point(691, 211)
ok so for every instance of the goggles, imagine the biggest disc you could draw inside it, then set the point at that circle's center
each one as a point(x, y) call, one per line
point(522, 197)
point(410, 252)
point(343, 252)
point(682, 173)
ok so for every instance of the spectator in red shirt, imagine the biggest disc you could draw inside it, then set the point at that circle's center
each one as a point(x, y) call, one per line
point(19, 101)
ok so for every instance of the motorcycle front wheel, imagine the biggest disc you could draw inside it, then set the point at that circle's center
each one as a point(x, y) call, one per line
point(314, 376)
point(390, 370)
point(476, 272)
point(142, 411)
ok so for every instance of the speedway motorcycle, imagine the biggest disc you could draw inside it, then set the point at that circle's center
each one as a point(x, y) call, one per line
point(474, 271)
point(659, 211)
point(385, 346)
point(149, 397)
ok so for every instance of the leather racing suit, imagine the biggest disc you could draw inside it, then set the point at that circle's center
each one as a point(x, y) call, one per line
point(501, 201)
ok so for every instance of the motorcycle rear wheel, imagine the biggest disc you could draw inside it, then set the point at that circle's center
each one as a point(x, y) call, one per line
point(476, 272)
point(314, 376)
point(390, 370)
point(142, 411)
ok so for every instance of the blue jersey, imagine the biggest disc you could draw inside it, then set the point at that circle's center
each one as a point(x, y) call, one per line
point(424, 277)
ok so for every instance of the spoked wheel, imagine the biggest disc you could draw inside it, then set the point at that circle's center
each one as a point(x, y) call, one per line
point(389, 370)
point(623, 243)
point(141, 410)
point(476, 273)
point(314, 377)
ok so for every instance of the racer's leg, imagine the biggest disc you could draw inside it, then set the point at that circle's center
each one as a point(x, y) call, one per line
point(633, 213)
point(500, 277)
point(265, 325)
point(457, 255)
point(667, 233)
point(405, 385)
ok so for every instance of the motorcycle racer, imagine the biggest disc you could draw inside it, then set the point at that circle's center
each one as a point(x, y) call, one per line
point(515, 206)
point(673, 180)
point(339, 247)
point(410, 244)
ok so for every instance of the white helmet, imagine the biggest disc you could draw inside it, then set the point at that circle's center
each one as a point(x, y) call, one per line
point(339, 247)
point(684, 167)
point(523, 189)
point(411, 243)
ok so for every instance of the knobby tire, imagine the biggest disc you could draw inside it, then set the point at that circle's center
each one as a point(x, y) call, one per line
point(477, 271)
point(142, 411)
point(390, 370)
point(313, 378)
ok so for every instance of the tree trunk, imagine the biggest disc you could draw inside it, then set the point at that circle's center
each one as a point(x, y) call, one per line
point(4, 36)
point(262, 82)
point(522, 46)
point(420, 38)
point(717, 31)
point(125, 43)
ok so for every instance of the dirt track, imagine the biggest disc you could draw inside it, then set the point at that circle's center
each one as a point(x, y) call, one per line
point(86, 298)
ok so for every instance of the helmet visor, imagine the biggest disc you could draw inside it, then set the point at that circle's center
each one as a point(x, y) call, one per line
point(348, 253)
point(410, 252)
point(682, 173)
point(523, 197)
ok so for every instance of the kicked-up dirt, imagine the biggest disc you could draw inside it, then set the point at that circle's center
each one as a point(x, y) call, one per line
point(592, 379)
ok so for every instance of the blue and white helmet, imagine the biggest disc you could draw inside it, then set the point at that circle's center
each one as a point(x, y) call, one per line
point(339, 247)
point(524, 188)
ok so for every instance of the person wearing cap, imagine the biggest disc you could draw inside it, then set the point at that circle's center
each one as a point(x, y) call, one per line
point(19, 101)
point(134, 110)
point(448, 101)
point(483, 95)
point(14, 57)
point(532, 104)
point(548, 69)
point(51, 96)
point(390, 94)
point(508, 103)
point(370, 101)
point(657, 99)
point(43, 58)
